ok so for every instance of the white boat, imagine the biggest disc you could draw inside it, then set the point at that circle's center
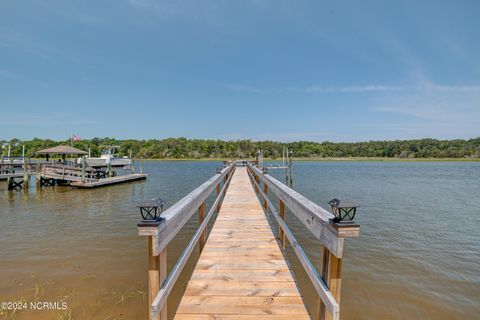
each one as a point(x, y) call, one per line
point(107, 157)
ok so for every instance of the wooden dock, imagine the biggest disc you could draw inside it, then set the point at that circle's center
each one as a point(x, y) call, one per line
point(83, 177)
point(109, 181)
point(242, 272)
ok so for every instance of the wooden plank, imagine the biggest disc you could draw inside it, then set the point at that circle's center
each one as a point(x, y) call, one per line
point(242, 305)
point(243, 275)
point(241, 272)
point(242, 288)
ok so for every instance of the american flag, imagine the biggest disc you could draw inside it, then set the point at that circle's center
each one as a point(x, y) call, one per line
point(76, 138)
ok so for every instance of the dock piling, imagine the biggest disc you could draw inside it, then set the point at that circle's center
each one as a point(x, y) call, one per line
point(26, 168)
point(84, 164)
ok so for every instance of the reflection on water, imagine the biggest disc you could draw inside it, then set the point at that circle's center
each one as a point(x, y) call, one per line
point(417, 256)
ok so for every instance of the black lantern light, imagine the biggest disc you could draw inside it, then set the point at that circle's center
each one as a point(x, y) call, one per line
point(151, 210)
point(344, 210)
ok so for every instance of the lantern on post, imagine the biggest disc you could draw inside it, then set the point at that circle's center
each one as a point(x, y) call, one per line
point(344, 210)
point(151, 210)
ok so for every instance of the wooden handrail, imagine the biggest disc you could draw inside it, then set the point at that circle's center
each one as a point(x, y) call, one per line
point(174, 218)
point(167, 286)
point(318, 221)
point(309, 268)
point(313, 217)
point(63, 171)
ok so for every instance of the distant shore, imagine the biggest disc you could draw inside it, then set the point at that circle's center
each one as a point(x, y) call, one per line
point(339, 159)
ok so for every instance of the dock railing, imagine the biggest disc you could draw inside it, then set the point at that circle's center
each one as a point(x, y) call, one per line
point(64, 172)
point(327, 281)
point(174, 218)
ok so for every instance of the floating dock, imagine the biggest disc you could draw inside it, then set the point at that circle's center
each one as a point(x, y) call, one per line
point(108, 181)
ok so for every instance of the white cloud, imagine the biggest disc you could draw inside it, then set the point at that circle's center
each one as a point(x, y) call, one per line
point(352, 88)
point(435, 102)
point(243, 88)
point(370, 88)
point(316, 89)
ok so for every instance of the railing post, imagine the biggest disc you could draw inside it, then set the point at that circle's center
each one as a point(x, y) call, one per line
point(218, 192)
point(281, 209)
point(163, 277)
point(201, 216)
point(331, 272)
point(157, 273)
point(265, 190)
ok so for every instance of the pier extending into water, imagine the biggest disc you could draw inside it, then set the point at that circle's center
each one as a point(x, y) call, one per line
point(51, 174)
point(242, 272)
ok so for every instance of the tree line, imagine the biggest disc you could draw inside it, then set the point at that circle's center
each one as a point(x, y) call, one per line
point(183, 148)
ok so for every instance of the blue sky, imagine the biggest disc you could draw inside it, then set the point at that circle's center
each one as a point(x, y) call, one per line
point(257, 69)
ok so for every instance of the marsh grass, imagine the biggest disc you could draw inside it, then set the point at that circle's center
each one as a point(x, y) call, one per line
point(66, 315)
point(34, 289)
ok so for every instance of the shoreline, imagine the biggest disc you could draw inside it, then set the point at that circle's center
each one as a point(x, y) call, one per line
point(332, 159)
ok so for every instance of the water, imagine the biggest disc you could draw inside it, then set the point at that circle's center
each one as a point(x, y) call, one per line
point(417, 256)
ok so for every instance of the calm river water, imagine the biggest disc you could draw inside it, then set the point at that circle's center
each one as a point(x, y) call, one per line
point(417, 257)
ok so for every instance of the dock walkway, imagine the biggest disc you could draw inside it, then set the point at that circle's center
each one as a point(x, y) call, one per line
point(241, 273)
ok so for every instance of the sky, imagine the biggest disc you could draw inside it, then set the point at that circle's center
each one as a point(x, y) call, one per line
point(240, 69)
